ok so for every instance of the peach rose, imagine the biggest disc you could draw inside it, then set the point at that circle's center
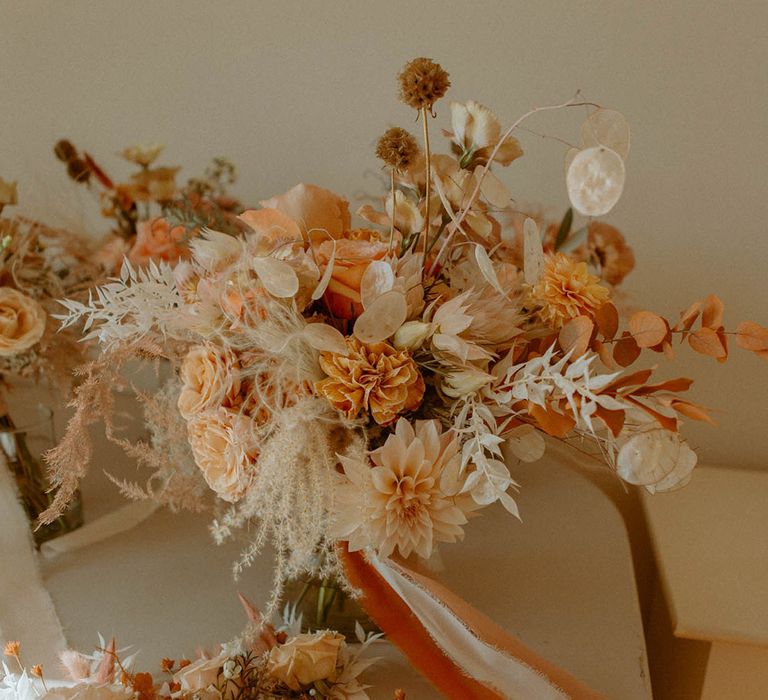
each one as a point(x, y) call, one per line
point(200, 674)
point(354, 253)
point(22, 322)
point(210, 379)
point(156, 240)
point(305, 659)
point(224, 449)
point(307, 208)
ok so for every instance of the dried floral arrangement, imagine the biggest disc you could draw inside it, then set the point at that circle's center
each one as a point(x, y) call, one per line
point(281, 663)
point(152, 216)
point(354, 394)
point(38, 265)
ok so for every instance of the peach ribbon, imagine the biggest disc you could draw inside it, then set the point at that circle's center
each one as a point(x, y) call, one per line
point(459, 650)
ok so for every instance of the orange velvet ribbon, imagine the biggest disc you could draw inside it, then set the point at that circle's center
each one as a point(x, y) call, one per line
point(402, 627)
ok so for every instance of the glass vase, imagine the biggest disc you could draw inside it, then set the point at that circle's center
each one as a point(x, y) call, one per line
point(324, 604)
point(23, 447)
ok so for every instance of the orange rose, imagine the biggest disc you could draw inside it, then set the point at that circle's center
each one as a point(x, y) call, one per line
point(354, 253)
point(156, 240)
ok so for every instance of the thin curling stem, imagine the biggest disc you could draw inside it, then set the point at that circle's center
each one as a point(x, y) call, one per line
point(428, 177)
point(392, 218)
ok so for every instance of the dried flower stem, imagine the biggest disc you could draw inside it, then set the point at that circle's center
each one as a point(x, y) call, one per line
point(465, 210)
point(392, 218)
point(428, 179)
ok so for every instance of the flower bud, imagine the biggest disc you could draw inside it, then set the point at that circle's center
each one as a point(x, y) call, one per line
point(411, 335)
point(464, 382)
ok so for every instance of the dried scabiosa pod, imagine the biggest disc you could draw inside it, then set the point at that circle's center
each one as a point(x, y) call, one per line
point(422, 83)
point(397, 148)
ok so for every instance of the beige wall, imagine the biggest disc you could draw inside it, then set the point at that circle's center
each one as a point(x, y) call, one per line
point(300, 91)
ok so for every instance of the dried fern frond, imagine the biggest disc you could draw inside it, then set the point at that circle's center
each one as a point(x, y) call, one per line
point(139, 303)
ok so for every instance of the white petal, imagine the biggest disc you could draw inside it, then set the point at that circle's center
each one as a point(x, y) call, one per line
point(526, 443)
point(647, 458)
point(377, 279)
point(325, 338)
point(486, 268)
point(382, 318)
point(595, 180)
point(533, 252)
point(277, 276)
point(606, 127)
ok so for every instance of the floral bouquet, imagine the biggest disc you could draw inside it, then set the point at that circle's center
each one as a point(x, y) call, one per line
point(38, 265)
point(355, 394)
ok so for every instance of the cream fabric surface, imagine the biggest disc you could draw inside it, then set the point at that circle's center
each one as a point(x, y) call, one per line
point(26, 610)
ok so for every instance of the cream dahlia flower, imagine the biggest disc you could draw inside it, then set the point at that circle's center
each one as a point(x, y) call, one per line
point(407, 498)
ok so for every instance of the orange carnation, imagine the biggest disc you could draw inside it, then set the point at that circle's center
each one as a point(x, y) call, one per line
point(373, 377)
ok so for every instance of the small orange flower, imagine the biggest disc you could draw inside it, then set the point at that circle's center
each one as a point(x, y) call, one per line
point(373, 377)
point(12, 649)
point(166, 665)
point(144, 685)
point(37, 671)
point(611, 250)
point(566, 290)
point(184, 663)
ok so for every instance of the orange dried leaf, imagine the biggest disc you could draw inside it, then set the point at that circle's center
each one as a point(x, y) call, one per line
point(604, 353)
point(626, 350)
point(607, 320)
point(692, 410)
point(614, 420)
point(752, 336)
point(634, 379)
point(724, 342)
point(707, 342)
point(712, 313)
point(575, 335)
point(648, 329)
point(674, 385)
point(551, 422)
point(666, 422)
point(688, 318)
